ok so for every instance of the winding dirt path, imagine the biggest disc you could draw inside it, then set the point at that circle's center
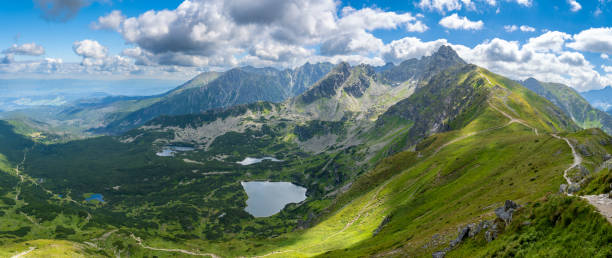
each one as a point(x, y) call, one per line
point(514, 120)
point(24, 253)
point(601, 202)
point(577, 160)
point(172, 250)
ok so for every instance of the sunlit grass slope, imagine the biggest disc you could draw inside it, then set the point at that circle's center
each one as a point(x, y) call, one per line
point(449, 180)
point(48, 248)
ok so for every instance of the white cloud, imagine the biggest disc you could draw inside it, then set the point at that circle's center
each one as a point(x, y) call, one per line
point(444, 6)
point(574, 5)
point(525, 28)
point(604, 56)
point(456, 22)
point(89, 49)
point(597, 40)
point(223, 33)
point(410, 47)
point(549, 41)
point(111, 22)
point(28, 49)
point(607, 69)
point(539, 58)
point(371, 19)
point(510, 28)
point(526, 3)
point(440, 5)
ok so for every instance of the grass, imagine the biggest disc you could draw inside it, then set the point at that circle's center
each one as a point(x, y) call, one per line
point(470, 177)
point(50, 248)
point(555, 226)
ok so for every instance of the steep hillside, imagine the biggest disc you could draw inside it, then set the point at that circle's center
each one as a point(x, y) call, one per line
point(366, 92)
point(412, 203)
point(574, 105)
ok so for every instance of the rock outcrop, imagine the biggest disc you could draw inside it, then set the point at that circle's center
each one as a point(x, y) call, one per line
point(505, 213)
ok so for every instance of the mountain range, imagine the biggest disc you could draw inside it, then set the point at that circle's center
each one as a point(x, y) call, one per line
point(572, 103)
point(601, 99)
point(430, 157)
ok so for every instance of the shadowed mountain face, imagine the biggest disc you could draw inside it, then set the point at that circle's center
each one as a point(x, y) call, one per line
point(574, 105)
point(419, 69)
point(218, 90)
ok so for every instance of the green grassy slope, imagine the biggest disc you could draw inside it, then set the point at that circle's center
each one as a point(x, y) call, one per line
point(450, 180)
point(554, 226)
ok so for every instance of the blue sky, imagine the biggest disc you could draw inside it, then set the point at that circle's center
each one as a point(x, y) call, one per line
point(173, 41)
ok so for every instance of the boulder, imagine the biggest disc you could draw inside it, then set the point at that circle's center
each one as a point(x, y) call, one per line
point(382, 224)
point(438, 254)
point(490, 236)
point(463, 234)
point(505, 213)
point(573, 188)
point(563, 188)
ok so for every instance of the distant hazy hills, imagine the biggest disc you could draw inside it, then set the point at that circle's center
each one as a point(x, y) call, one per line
point(601, 99)
point(574, 105)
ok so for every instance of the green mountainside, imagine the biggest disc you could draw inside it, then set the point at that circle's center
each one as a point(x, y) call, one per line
point(574, 105)
point(394, 166)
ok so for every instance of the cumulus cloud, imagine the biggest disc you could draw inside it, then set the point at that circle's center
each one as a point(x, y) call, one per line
point(89, 49)
point(604, 56)
point(549, 41)
point(525, 28)
point(410, 47)
point(607, 69)
point(28, 49)
point(574, 5)
point(444, 6)
point(60, 10)
point(110, 22)
point(542, 57)
point(510, 28)
point(593, 40)
point(224, 33)
point(526, 3)
point(457, 22)
point(441, 5)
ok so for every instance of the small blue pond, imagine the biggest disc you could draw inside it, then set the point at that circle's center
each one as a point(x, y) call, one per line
point(97, 197)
